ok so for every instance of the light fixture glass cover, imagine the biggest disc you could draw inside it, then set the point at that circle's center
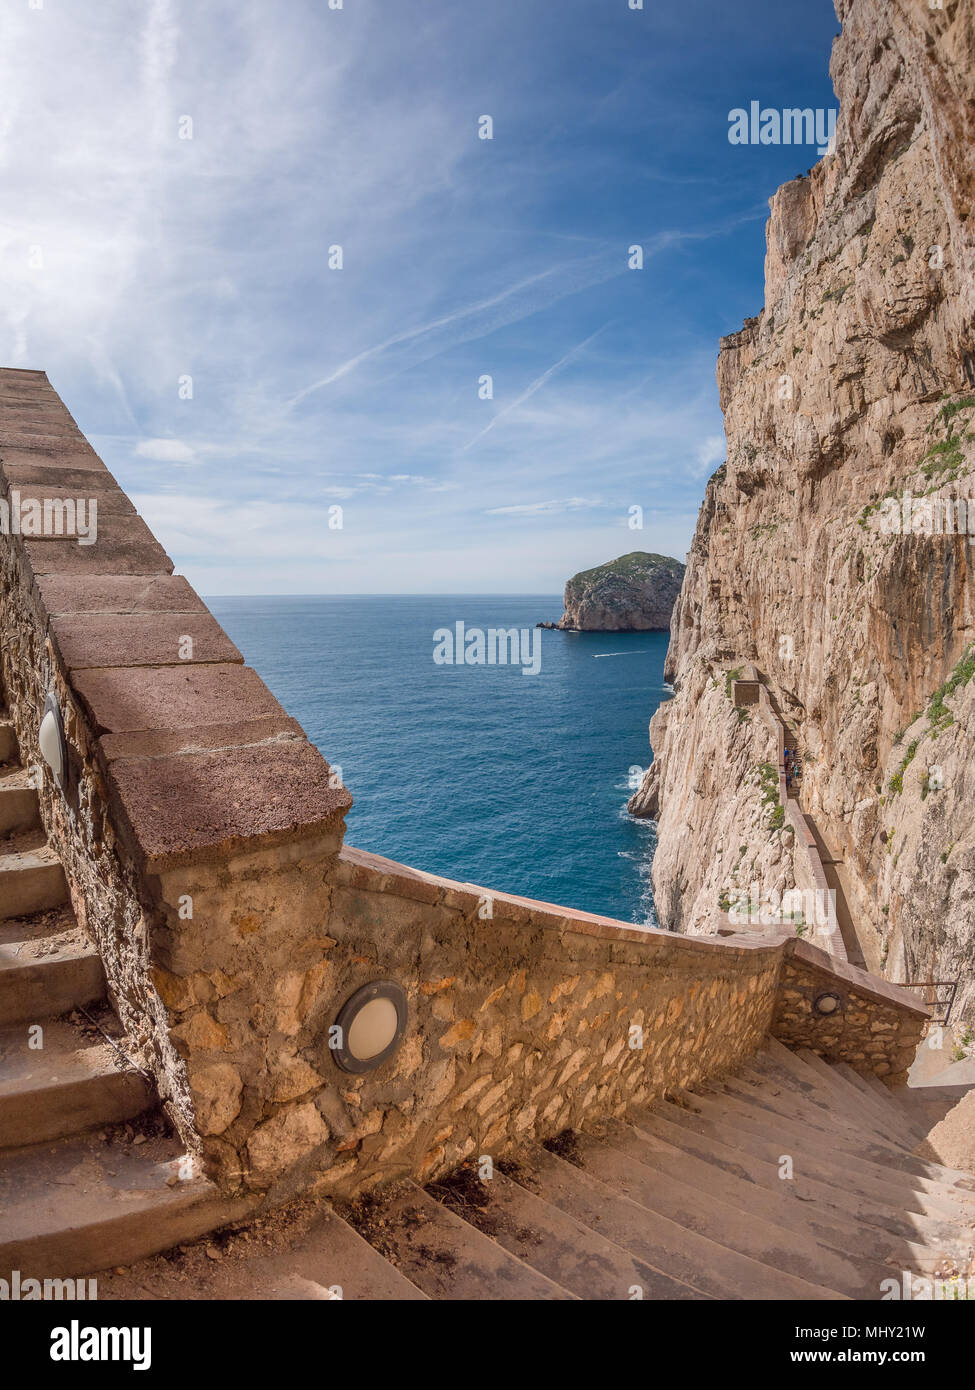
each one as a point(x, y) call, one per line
point(51, 739)
point(370, 1026)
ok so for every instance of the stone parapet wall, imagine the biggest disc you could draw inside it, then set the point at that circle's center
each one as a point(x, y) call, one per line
point(177, 752)
point(202, 840)
point(875, 1028)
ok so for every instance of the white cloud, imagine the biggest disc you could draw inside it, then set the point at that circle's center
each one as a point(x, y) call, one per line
point(162, 258)
point(710, 452)
point(165, 450)
point(561, 504)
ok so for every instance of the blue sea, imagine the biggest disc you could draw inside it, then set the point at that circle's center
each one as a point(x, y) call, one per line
point(515, 782)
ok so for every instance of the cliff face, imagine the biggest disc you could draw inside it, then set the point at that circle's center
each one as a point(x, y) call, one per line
point(857, 380)
point(635, 593)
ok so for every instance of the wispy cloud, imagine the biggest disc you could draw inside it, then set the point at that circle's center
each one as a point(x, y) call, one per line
point(559, 504)
point(535, 386)
point(165, 450)
point(178, 292)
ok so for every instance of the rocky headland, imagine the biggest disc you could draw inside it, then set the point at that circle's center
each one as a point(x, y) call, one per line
point(635, 593)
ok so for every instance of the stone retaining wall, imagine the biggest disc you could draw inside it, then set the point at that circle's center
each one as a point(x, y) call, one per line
point(202, 839)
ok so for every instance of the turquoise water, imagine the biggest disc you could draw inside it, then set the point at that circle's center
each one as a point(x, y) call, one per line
point(481, 773)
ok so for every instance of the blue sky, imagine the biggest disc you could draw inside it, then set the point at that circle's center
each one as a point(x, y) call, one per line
point(133, 258)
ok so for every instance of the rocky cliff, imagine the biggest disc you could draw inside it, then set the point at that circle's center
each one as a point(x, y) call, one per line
point(852, 390)
point(635, 593)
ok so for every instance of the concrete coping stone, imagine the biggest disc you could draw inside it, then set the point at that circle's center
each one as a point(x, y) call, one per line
point(62, 594)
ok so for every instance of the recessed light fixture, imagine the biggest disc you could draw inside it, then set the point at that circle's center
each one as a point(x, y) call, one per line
point(827, 1003)
point(369, 1027)
point(54, 749)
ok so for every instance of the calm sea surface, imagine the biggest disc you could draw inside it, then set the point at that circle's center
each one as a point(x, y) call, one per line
point(518, 783)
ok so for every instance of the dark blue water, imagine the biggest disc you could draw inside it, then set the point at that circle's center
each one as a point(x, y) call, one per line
point(518, 783)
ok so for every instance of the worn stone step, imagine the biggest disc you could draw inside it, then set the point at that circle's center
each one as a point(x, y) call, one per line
point(567, 1251)
point(31, 880)
point(46, 973)
point(864, 1104)
point(892, 1096)
point(831, 1093)
point(836, 1217)
point(681, 1253)
point(69, 1084)
point(19, 805)
point(624, 1164)
point(835, 1123)
point(9, 751)
point(772, 1102)
point(822, 1084)
point(327, 1262)
point(957, 1186)
point(894, 1209)
point(813, 1154)
point(81, 1205)
point(893, 1120)
point(445, 1256)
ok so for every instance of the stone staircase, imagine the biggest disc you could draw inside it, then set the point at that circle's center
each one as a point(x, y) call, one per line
point(693, 1200)
point(690, 1199)
point(88, 1173)
point(792, 1179)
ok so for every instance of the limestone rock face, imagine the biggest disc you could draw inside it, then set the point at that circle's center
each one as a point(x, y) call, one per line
point(857, 380)
point(635, 593)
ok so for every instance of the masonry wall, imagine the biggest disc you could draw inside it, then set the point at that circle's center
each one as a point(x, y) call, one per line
point(202, 840)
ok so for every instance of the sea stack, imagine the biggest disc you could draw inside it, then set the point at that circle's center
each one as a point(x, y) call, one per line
point(635, 593)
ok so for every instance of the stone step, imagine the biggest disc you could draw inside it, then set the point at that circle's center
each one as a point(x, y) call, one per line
point(831, 1093)
point(835, 1122)
point(19, 804)
point(327, 1262)
point(886, 1162)
point(668, 1248)
point(621, 1163)
point(47, 967)
point(9, 751)
point(566, 1251)
point(871, 1146)
point(445, 1256)
point(822, 1085)
point(71, 1083)
point(82, 1205)
point(860, 1102)
point(835, 1217)
point(31, 878)
point(884, 1106)
point(769, 1138)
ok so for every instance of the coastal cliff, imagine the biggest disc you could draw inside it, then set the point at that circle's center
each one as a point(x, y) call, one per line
point(824, 552)
point(635, 593)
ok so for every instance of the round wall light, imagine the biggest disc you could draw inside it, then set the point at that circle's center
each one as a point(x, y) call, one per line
point(370, 1027)
point(54, 749)
point(827, 1003)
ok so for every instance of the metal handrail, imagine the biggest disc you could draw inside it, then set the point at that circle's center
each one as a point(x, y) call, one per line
point(947, 1003)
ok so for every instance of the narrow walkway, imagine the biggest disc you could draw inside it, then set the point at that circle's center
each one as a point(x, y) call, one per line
point(839, 933)
point(833, 870)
